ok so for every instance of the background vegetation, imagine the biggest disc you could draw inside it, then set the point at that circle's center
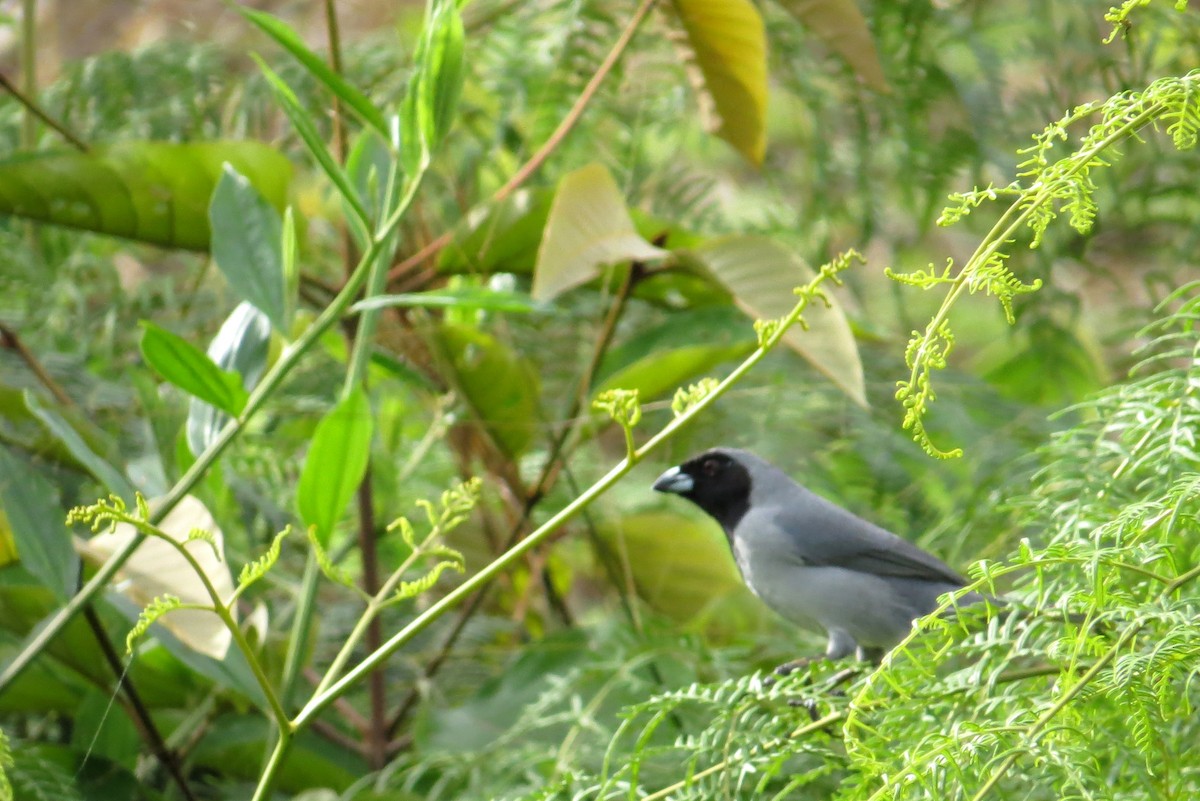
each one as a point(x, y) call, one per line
point(552, 200)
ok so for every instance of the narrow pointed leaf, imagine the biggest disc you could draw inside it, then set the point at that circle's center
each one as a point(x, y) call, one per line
point(110, 477)
point(335, 464)
point(187, 367)
point(841, 25)
point(248, 245)
point(30, 504)
point(156, 192)
point(760, 275)
point(588, 227)
point(724, 44)
point(462, 298)
point(316, 147)
point(289, 40)
point(434, 88)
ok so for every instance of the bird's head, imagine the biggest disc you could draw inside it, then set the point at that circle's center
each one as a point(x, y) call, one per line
point(718, 481)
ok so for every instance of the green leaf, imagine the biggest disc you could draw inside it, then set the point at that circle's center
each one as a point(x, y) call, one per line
point(843, 29)
point(433, 88)
point(112, 479)
point(503, 237)
point(242, 345)
point(154, 192)
point(725, 49)
point(500, 386)
point(588, 227)
point(760, 275)
point(287, 38)
point(461, 298)
point(660, 373)
point(336, 463)
point(681, 567)
point(316, 147)
point(30, 504)
point(187, 367)
point(247, 245)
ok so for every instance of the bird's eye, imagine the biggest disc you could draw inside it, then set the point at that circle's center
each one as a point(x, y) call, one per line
point(710, 467)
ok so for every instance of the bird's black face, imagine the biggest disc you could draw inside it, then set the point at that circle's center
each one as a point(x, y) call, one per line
point(715, 481)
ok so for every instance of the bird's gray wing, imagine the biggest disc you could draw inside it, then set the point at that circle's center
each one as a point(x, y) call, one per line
point(823, 534)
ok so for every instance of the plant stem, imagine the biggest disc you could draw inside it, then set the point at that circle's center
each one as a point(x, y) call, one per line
point(322, 699)
point(41, 114)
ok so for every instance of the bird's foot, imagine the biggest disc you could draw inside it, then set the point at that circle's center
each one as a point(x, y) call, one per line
point(788, 668)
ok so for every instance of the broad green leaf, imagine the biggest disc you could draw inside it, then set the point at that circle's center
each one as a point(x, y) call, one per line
point(315, 143)
point(110, 477)
point(242, 345)
point(30, 504)
point(461, 298)
point(760, 275)
point(247, 245)
point(720, 325)
point(155, 192)
point(500, 385)
point(842, 27)
point(287, 38)
point(335, 464)
point(503, 237)
point(662, 372)
point(103, 731)
point(187, 367)
point(725, 49)
point(157, 567)
point(434, 87)
point(588, 227)
point(681, 566)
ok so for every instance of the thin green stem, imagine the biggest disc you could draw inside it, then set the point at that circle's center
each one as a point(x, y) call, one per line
point(301, 626)
point(371, 662)
point(274, 763)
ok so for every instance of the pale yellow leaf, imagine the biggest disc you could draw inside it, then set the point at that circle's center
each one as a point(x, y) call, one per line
point(156, 568)
point(842, 27)
point(760, 275)
point(724, 45)
point(588, 227)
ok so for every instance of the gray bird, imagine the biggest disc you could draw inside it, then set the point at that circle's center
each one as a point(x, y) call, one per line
point(811, 561)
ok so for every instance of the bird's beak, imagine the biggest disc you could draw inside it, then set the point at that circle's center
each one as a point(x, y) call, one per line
point(674, 480)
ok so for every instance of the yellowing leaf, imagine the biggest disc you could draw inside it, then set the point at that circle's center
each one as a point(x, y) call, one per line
point(844, 30)
point(725, 47)
point(588, 227)
point(760, 274)
point(156, 568)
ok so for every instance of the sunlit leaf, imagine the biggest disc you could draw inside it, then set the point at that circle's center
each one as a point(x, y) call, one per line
point(724, 44)
point(155, 192)
point(30, 511)
point(588, 227)
point(242, 345)
point(760, 275)
point(335, 464)
point(317, 66)
point(500, 386)
point(157, 568)
point(187, 367)
point(248, 245)
point(841, 25)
